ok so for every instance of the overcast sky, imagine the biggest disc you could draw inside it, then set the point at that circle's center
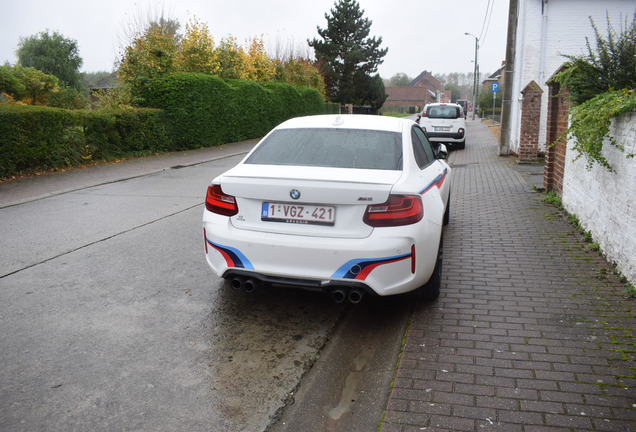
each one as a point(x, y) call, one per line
point(420, 34)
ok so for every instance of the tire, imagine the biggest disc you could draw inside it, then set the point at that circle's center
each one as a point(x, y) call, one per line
point(461, 145)
point(430, 290)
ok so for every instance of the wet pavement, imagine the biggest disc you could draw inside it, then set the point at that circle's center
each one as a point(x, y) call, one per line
point(532, 331)
point(112, 319)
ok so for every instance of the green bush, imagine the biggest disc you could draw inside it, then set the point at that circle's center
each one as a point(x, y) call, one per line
point(332, 108)
point(194, 111)
point(35, 138)
point(612, 66)
point(113, 133)
point(601, 86)
point(204, 110)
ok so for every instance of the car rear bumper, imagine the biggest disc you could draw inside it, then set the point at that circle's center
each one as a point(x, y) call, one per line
point(446, 136)
point(387, 262)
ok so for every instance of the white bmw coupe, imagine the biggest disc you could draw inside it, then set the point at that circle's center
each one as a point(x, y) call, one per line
point(345, 204)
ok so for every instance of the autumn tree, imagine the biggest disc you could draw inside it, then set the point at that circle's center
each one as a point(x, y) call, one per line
point(259, 67)
point(159, 49)
point(293, 65)
point(299, 72)
point(346, 51)
point(9, 83)
point(53, 54)
point(27, 83)
point(151, 54)
point(197, 49)
point(231, 58)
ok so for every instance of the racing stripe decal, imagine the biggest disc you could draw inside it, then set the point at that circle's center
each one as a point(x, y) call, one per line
point(438, 181)
point(359, 269)
point(233, 257)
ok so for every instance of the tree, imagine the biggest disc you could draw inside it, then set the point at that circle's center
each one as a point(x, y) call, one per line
point(27, 83)
point(299, 72)
point(485, 103)
point(232, 59)
point(346, 51)
point(197, 49)
point(377, 92)
point(455, 91)
point(9, 83)
point(151, 54)
point(260, 67)
point(159, 49)
point(52, 54)
point(400, 79)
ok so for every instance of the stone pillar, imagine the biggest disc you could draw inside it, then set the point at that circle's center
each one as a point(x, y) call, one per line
point(530, 121)
point(558, 122)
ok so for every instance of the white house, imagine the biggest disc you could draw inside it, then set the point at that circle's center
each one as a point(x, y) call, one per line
point(546, 31)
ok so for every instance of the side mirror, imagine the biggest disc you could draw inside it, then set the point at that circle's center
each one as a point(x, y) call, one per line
point(442, 152)
point(418, 118)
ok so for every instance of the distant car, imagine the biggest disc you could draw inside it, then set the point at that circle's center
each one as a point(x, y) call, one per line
point(344, 204)
point(444, 123)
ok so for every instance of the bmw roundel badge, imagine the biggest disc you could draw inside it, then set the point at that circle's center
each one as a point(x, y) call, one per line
point(294, 193)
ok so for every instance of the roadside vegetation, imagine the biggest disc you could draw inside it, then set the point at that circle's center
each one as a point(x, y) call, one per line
point(53, 117)
point(174, 90)
point(601, 86)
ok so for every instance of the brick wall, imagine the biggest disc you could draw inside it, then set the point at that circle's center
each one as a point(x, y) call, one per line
point(604, 201)
point(530, 122)
point(558, 116)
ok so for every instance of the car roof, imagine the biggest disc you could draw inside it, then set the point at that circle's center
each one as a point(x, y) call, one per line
point(443, 104)
point(347, 121)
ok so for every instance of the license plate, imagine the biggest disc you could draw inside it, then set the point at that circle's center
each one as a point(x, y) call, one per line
point(442, 128)
point(300, 214)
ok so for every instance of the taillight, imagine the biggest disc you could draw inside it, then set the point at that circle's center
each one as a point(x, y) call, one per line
point(218, 202)
point(461, 130)
point(398, 210)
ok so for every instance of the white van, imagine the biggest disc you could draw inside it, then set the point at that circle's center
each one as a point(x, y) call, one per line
point(444, 123)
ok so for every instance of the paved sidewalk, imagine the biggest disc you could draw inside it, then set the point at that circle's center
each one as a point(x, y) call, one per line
point(527, 335)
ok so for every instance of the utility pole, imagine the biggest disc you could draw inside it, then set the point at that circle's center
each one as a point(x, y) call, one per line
point(504, 138)
point(475, 73)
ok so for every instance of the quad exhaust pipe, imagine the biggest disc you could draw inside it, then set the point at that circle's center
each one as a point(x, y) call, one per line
point(248, 285)
point(339, 295)
point(355, 296)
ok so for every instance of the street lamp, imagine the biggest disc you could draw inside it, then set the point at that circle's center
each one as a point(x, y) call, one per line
point(475, 72)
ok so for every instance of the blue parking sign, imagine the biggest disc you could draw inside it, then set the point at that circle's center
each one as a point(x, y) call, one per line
point(495, 87)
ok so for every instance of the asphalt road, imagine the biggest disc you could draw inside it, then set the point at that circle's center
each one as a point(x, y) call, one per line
point(111, 319)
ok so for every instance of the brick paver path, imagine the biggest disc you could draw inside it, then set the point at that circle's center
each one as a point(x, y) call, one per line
point(528, 333)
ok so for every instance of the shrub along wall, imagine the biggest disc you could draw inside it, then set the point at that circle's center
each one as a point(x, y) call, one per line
point(196, 111)
point(204, 110)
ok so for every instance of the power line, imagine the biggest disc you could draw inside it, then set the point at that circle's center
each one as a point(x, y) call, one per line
point(486, 24)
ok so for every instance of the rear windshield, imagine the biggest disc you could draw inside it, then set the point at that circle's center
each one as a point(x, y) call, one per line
point(443, 111)
point(332, 148)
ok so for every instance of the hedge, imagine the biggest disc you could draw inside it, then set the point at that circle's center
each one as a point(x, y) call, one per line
point(36, 138)
point(186, 111)
point(204, 110)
